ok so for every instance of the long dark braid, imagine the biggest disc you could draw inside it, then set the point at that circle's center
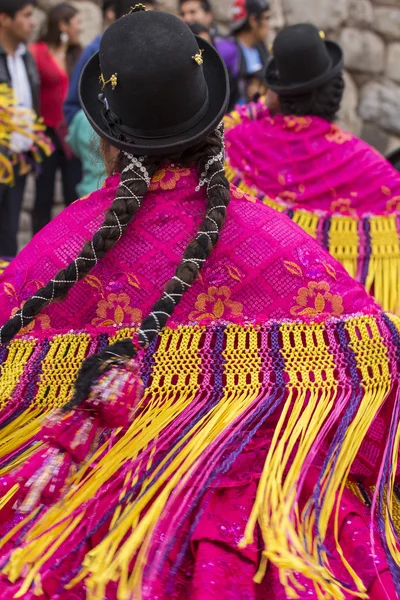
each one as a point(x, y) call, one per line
point(131, 190)
point(209, 155)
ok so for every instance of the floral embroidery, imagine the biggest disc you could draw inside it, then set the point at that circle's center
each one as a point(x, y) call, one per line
point(115, 310)
point(317, 299)
point(343, 206)
point(297, 123)
point(288, 197)
point(216, 304)
point(166, 179)
point(393, 204)
point(338, 136)
point(241, 195)
point(40, 322)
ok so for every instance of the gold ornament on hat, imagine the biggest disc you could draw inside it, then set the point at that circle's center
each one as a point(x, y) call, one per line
point(113, 80)
point(322, 35)
point(137, 8)
point(198, 58)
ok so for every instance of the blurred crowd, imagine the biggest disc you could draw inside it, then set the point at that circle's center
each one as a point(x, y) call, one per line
point(45, 77)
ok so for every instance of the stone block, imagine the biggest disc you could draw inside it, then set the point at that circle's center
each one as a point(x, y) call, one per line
point(40, 20)
point(393, 62)
point(380, 104)
point(325, 14)
point(387, 22)
point(363, 50)
point(361, 13)
point(92, 19)
point(348, 117)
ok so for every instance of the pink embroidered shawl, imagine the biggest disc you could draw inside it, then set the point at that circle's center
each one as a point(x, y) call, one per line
point(276, 381)
point(334, 185)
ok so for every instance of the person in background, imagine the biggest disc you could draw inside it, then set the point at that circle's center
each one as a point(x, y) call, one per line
point(245, 52)
point(199, 11)
point(256, 86)
point(56, 54)
point(288, 151)
point(201, 30)
point(108, 13)
point(18, 70)
point(81, 137)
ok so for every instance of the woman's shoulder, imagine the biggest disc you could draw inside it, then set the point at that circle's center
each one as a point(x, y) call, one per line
point(276, 270)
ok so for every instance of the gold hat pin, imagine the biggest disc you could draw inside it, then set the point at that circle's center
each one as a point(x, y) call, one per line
point(322, 35)
point(198, 58)
point(136, 8)
point(113, 80)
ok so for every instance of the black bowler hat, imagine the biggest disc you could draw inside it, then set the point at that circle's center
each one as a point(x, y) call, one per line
point(154, 88)
point(302, 60)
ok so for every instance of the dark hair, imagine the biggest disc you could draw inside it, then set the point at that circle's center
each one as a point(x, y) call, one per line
point(52, 37)
point(198, 28)
point(205, 4)
point(394, 159)
point(209, 156)
point(322, 102)
point(107, 4)
point(246, 25)
point(11, 7)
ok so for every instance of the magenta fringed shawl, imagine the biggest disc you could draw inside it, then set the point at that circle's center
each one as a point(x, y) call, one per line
point(276, 382)
point(334, 185)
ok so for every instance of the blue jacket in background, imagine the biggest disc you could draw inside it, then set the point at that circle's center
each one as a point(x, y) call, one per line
point(72, 104)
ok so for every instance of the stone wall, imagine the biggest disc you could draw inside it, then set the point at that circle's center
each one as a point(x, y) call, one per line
point(369, 31)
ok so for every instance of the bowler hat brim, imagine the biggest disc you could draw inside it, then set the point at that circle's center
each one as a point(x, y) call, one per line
point(290, 89)
point(216, 77)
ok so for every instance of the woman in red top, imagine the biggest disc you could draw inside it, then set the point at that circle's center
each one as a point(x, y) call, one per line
point(56, 55)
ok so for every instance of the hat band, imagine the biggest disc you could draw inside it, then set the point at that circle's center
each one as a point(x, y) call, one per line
point(117, 128)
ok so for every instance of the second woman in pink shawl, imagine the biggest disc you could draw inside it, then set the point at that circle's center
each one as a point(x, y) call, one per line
point(335, 186)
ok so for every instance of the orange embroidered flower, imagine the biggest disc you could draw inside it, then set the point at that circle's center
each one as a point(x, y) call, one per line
point(393, 204)
point(338, 136)
point(297, 123)
point(115, 311)
point(40, 322)
point(288, 197)
point(343, 206)
point(216, 304)
point(166, 179)
point(241, 195)
point(317, 299)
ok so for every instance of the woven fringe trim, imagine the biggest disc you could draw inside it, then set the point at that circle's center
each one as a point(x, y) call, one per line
point(367, 247)
point(207, 389)
point(23, 121)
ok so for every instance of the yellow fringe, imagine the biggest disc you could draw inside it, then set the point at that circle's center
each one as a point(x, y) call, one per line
point(312, 395)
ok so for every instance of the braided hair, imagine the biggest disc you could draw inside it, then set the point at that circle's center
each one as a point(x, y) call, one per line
point(136, 173)
point(322, 102)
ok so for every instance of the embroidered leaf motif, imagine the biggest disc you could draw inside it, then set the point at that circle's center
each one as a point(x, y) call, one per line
point(133, 281)
point(9, 290)
point(93, 281)
point(319, 303)
point(293, 268)
point(218, 308)
point(330, 270)
point(234, 273)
